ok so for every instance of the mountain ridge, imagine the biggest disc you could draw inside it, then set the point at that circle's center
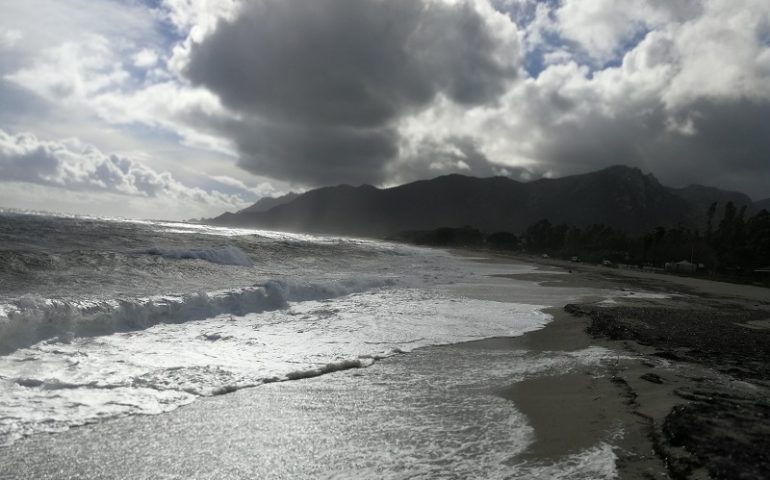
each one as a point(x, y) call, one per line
point(266, 203)
point(703, 196)
point(762, 205)
point(619, 196)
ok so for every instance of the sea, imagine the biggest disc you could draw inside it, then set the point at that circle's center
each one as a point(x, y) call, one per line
point(113, 320)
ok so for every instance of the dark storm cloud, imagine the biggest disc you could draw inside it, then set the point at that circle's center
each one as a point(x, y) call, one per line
point(314, 154)
point(725, 143)
point(730, 147)
point(320, 84)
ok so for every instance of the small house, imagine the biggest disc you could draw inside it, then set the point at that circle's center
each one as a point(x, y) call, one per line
point(681, 267)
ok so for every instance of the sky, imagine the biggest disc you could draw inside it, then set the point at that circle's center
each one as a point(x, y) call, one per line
point(182, 109)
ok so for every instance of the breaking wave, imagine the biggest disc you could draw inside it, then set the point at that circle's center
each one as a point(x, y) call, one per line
point(31, 319)
point(223, 255)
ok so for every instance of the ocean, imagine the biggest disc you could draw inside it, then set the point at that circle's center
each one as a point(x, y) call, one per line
point(112, 320)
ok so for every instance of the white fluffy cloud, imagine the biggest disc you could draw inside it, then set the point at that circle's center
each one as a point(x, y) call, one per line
point(102, 70)
point(146, 58)
point(95, 75)
point(603, 28)
point(73, 165)
point(9, 37)
point(74, 70)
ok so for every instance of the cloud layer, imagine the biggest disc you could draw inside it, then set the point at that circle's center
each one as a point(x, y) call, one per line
point(681, 89)
point(269, 95)
point(319, 86)
point(372, 91)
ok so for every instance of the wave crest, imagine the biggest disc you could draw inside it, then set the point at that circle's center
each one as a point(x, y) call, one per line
point(31, 319)
point(223, 255)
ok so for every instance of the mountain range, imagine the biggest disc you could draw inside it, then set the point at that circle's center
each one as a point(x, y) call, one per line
point(762, 205)
point(620, 196)
point(266, 203)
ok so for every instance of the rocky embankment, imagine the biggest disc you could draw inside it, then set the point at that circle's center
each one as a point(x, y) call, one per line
point(714, 355)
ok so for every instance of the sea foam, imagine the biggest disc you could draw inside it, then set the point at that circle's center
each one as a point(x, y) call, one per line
point(31, 318)
point(79, 379)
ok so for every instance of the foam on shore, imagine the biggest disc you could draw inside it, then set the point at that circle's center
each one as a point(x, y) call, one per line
point(81, 378)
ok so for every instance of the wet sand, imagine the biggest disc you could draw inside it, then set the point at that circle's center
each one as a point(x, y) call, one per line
point(572, 411)
point(698, 389)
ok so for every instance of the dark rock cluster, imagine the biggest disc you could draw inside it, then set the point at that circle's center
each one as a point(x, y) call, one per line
point(722, 425)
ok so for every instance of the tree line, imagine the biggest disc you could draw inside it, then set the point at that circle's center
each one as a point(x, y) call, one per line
point(730, 243)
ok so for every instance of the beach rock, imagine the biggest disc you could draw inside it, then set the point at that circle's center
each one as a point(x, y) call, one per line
point(723, 431)
point(729, 435)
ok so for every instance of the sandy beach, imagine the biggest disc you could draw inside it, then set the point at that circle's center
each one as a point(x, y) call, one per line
point(651, 402)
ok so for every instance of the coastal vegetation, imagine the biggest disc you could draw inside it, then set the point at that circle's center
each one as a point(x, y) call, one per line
point(731, 243)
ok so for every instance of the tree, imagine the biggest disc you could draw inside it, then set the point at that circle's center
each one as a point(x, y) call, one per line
point(724, 233)
point(504, 240)
point(537, 235)
point(712, 210)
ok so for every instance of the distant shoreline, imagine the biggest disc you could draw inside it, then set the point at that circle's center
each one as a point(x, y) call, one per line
point(712, 286)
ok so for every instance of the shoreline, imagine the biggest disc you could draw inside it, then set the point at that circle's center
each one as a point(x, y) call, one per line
point(647, 280)
point(576, 410)
point(627, 403)
point(700, 385)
